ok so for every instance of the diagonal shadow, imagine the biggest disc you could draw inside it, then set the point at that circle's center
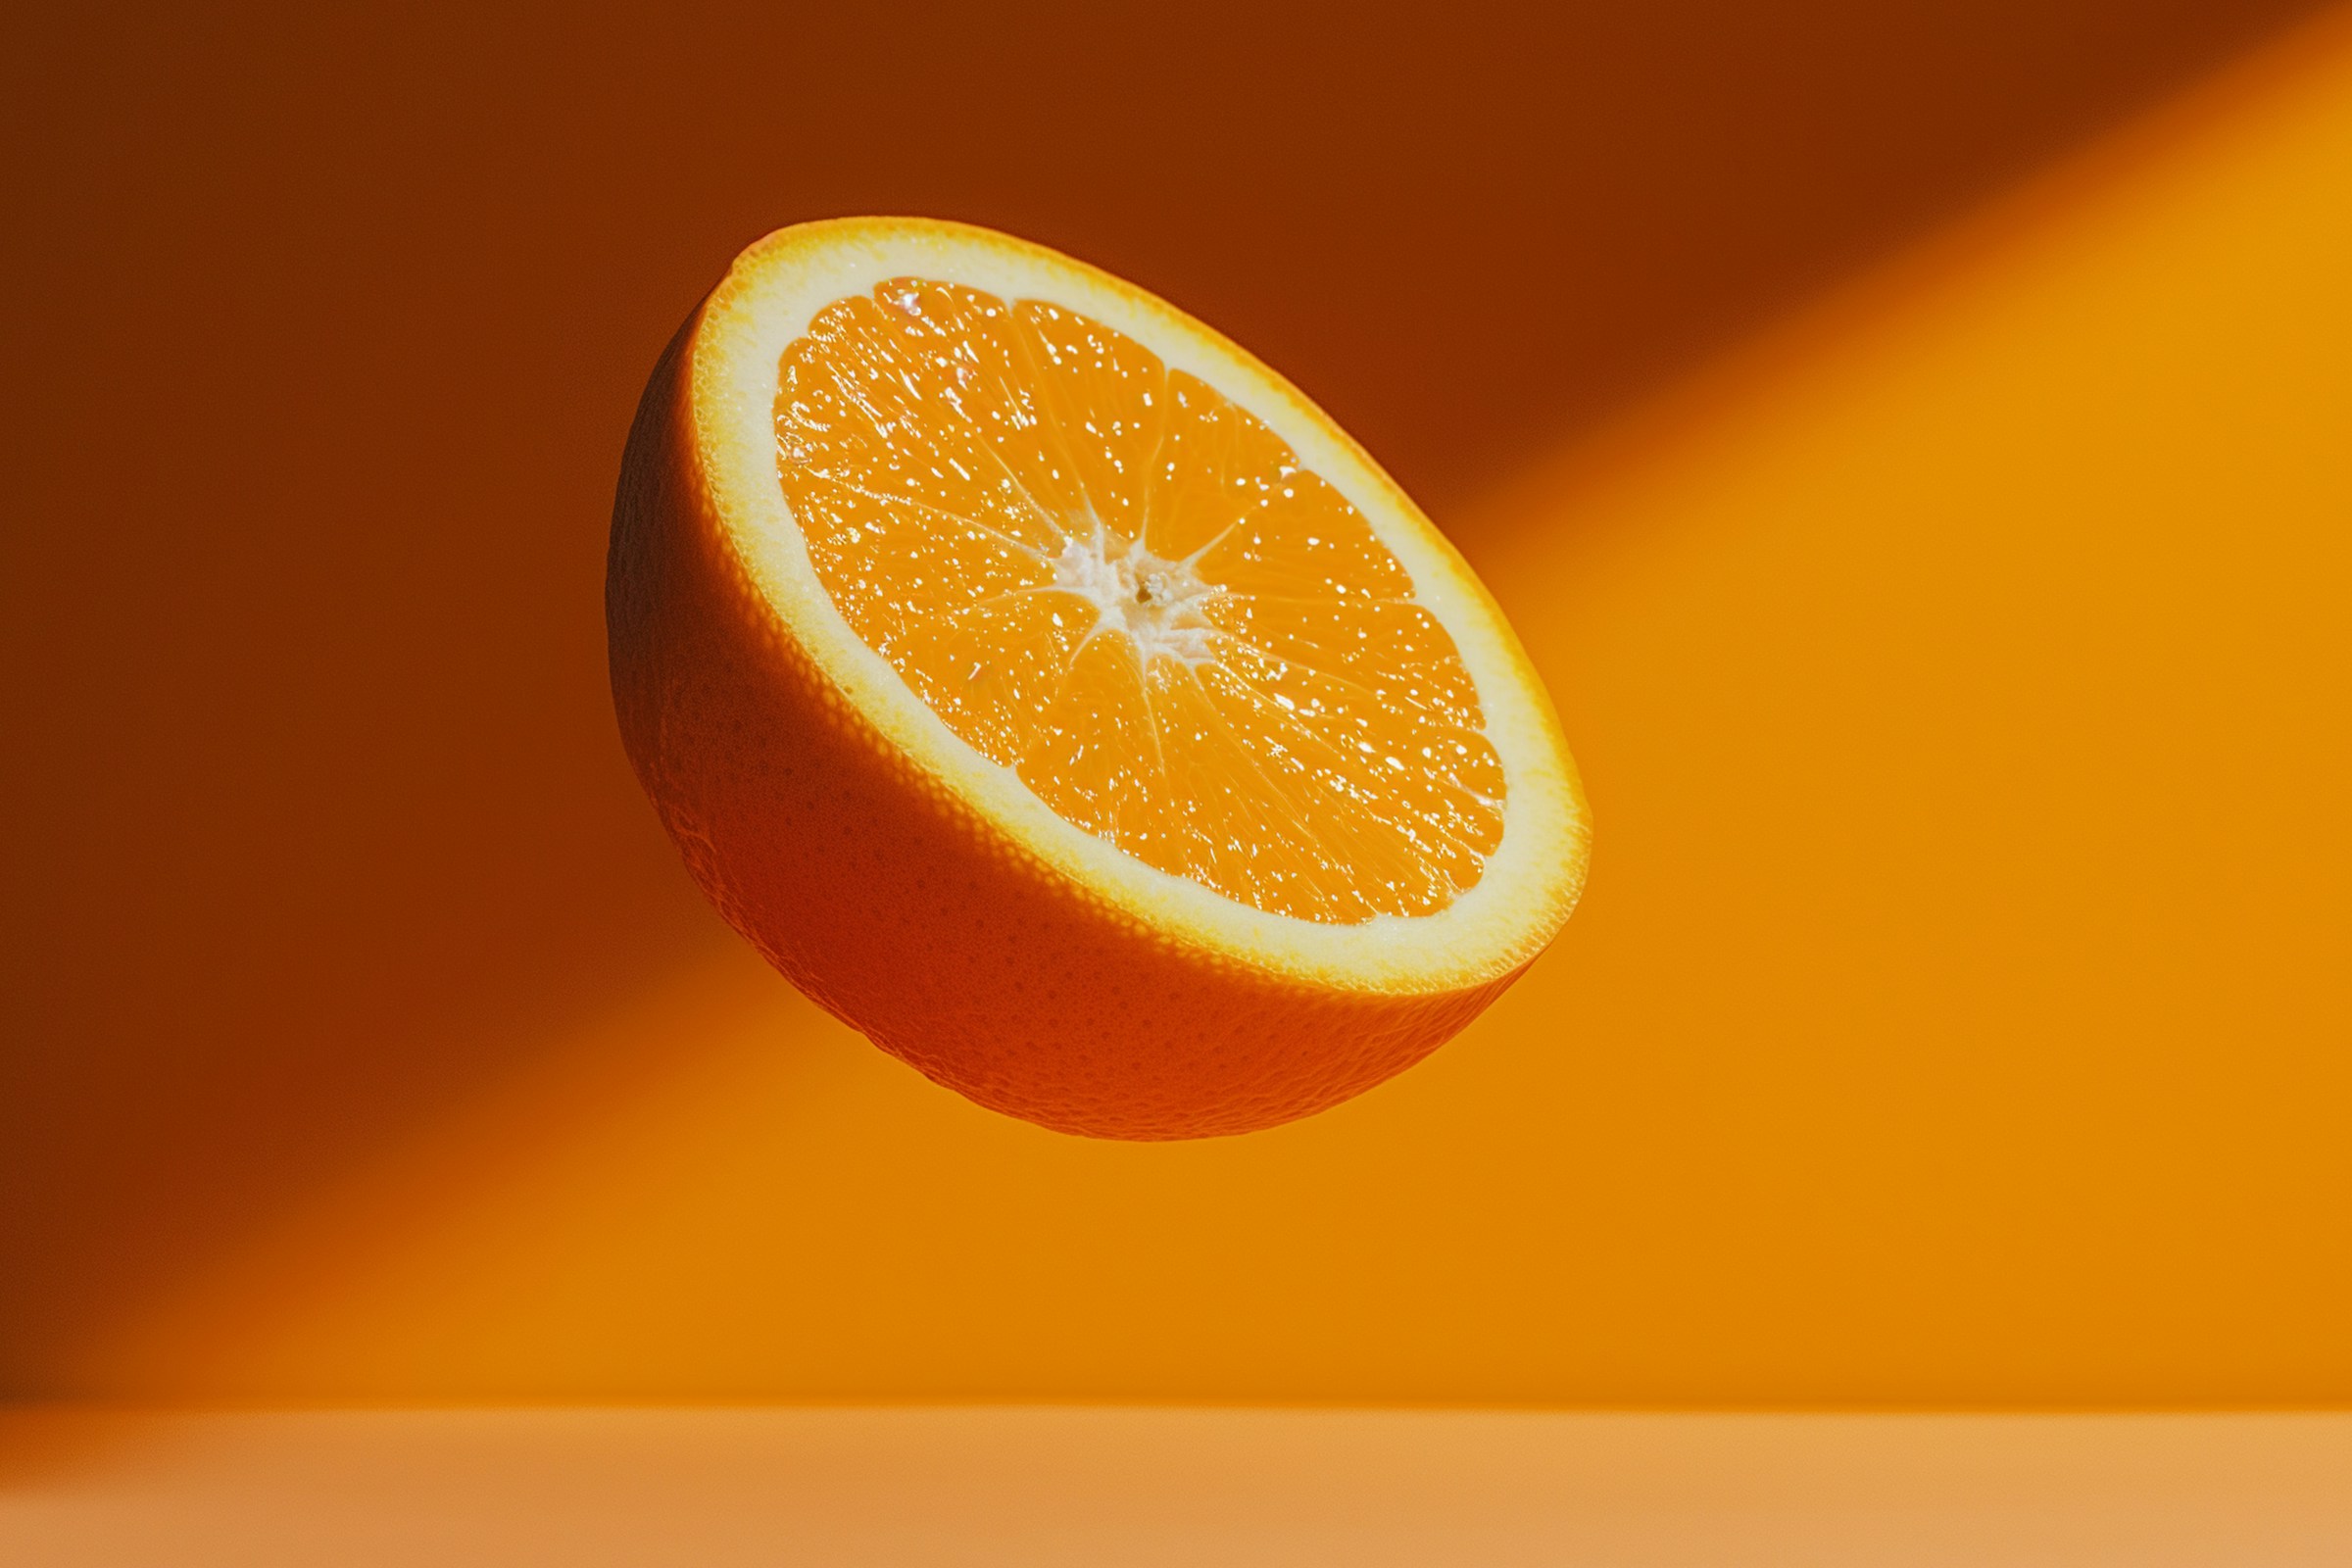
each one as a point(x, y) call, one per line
point(321, 826)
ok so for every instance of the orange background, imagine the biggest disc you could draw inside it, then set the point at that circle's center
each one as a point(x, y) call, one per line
point(1913, 445)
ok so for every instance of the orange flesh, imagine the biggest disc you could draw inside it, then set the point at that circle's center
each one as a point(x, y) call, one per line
point(1109, 577)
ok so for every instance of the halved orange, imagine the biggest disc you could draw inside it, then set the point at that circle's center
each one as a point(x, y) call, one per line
point(1055, 694)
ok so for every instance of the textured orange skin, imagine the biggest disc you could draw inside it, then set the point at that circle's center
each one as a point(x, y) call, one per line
point(885, 899)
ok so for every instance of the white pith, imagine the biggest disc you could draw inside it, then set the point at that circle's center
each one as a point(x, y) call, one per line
point(1532, 878)
point(1154, 602)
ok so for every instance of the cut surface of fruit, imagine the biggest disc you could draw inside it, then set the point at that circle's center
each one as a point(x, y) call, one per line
point(1114, 580)
point(1056, 694)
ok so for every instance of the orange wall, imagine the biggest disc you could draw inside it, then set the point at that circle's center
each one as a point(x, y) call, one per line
point(1959, 671)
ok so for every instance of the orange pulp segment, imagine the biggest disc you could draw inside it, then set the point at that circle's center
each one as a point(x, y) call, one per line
point(1105, 575)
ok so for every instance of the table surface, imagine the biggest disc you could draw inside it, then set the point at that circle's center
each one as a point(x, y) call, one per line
point(1032, 1486)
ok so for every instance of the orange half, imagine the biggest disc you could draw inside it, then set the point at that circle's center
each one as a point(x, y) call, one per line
point(1060, 696)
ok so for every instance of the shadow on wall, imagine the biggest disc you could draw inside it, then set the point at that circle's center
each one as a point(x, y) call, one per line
point(334, 323)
